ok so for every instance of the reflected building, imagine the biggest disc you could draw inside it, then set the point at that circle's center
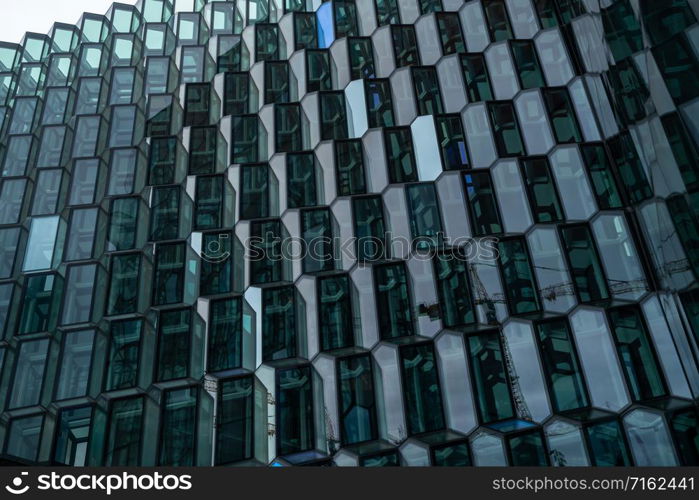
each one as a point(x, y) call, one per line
point(354, 233)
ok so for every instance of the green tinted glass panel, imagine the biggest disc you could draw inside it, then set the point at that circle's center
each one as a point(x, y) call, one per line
point(124, 351)
point(358, 420)
point(179, 420)
point(294, 404)
point(636, 353)
point(123, 447)
point(278, 323)
point(561, 366)
point(518, 276)
point(335, 312)
point(234, 426)
point(174, 338)
point(491, 386)
point(393, 301)
point(421, 392)
point(584, 263)
point(541, 190)
point(485, 218)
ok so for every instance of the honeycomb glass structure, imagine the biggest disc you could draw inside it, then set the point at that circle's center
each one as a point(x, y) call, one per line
point(353, 233)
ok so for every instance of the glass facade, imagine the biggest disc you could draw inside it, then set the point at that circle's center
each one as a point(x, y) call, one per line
point(354, 232)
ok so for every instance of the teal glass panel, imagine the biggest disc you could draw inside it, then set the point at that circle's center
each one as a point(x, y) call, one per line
point(266, 256)
point(561, 366)
point(393, 301)
point(333, 116)
point(490, 381)
point(452, 142)
point(165, 213)
point(72, 436)
point(400, 155)
point(287, 123)
point(29, 374)
point(76, 362)
point(602, 176)
point(518, 277)
point(638, 357)
point(379, 103)
point(40, 303)
point(485, 218)
point(606, 445)
point(254, 195)
point(687, 231)
point(234, 427)
point(684, 150)
point(527, 450)
point(301, 180)
point(429, 99)
point(24, 435)
point(451, 455)
point(678, 64)
point(349, 166)
point(208, 202)
point(294, 402)
point(454, 289)
point(216, 276)
point(278, 323)
point(421, 391)
point(506, 129)
point(405, 47)
point(335, 312)
point(317, 240)
point(178, 427)
point(541, 190)
point(162, 160)
point(225, 334)
point(498, 20)
point(236, 94)
point(425, 219)
point(684, 426)
point(174, 345)
point(476, 78)
point(123, 223)
point(449, 29)
point(622, 30)
point(361, 55)
point(358, 421)
point(168, 285)
point(318, 73)
point(560, 109)
point(527, 63)
point(665, 20)
point(124, 354)
point(585, 266)
point(633, 177)
point(123, 447)
point(369, 228)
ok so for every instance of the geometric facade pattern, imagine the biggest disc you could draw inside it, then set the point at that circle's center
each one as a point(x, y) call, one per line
point(356, 232)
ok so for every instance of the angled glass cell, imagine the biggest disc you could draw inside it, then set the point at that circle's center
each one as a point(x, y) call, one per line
point(225, 334)
point(541, 190)
point(425, 219)
point(333, 116)
point(294, 418)
point(318, 73)
point(393, 301)
point(638, 357)
point(121, 371)
point(124, 284)
point(168, 283)
point(301, 180)
point(266, 264)
point(506, 129)
point(179, 427)
point(254, 191)
point(29, 374)
point(584, 264)
point(490, 380)
point(234, 427)
point(405, 47)
point(124, 434)
point(361, 56)
point(518, 276)
point(483, 206)
point(317, 235)
point(561, 366)
point(174, 344)
point(349, 167)
point(400, 155)
point(76, 361)
point(421, 391)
